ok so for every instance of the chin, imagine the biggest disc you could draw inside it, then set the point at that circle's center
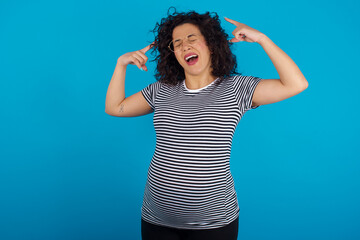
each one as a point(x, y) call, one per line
point(194, 70)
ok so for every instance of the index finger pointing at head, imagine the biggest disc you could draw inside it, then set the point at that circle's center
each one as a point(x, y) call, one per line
point(230, 20)
point(147, 48)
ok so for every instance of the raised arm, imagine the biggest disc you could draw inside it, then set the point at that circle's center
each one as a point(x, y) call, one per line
point(291, 81)
point(116, 104)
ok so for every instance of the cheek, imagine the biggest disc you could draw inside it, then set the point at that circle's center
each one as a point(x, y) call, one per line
point(204, 49)
point(203, 45)
point(178, 58)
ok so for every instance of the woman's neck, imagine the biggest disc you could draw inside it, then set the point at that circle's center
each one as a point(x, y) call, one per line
point(198, 81)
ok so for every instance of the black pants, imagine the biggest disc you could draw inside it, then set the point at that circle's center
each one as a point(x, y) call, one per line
point(155, 232)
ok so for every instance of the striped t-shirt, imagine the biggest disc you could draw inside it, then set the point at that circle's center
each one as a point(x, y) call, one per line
point(189, 183)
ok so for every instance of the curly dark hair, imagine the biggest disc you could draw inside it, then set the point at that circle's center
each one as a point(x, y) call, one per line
point(168, 70)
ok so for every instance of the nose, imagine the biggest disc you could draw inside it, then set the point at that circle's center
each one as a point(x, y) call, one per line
point(186, 46)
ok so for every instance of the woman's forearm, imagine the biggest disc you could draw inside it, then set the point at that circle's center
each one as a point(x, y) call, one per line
point(116, 90)
point(289, 73)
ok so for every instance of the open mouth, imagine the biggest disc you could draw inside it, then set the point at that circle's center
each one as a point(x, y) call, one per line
point(191, 59)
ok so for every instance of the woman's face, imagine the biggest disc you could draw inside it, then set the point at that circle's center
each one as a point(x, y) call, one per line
point(183, 38)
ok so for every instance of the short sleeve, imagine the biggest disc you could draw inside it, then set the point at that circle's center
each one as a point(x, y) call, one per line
point(150, 92)
point(244, 88)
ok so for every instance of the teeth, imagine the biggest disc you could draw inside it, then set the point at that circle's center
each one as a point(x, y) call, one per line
point(187, 58)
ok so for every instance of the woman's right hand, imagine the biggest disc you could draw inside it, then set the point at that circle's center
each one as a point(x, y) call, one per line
point(137, 58)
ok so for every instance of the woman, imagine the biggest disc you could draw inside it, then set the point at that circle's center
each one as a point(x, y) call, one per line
point(197, 102)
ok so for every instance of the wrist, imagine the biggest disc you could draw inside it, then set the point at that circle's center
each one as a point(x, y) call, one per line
point(120, 65)
point(262, 39)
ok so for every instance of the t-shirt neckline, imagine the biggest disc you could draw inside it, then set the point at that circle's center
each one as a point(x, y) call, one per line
point(199, 89)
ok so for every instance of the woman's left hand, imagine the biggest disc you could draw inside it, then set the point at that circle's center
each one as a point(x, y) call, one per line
point(245, 33)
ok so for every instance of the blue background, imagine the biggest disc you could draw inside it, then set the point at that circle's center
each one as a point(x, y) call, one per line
point(70, 171)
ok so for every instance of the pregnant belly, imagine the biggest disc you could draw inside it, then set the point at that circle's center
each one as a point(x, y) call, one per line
point(187, 188)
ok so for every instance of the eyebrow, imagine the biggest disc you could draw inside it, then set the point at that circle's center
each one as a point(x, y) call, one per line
point(176, 40)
